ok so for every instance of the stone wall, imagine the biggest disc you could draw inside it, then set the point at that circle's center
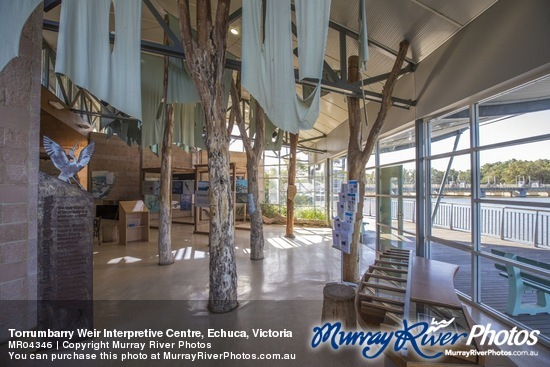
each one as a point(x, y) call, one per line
point(19, 152)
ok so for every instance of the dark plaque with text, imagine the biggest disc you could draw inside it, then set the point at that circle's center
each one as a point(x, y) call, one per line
point(65, 241)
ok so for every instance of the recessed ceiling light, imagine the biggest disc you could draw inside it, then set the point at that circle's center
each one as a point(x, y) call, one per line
point(234, 31)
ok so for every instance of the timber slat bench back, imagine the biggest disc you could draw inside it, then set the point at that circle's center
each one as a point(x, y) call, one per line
point(520, 282)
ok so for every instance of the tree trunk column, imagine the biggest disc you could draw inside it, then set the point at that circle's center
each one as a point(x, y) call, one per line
point(350, 262)
point(165, 210)
point(205, 58)
point(223, 270)
point(255, 212)
point(291, 191)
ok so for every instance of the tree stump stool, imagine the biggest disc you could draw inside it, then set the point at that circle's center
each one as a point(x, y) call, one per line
point(339, 305)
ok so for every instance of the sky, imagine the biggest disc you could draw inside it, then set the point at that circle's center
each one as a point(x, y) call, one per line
point(518, 127)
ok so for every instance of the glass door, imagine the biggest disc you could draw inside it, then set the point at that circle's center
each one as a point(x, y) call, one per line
point(390, 214)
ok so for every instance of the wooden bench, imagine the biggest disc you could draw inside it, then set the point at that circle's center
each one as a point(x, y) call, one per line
point(520, 281)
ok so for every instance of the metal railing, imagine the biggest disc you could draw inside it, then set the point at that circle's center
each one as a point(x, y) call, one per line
point(529, 226)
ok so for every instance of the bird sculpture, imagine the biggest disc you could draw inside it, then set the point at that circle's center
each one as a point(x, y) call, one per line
point(67, 163)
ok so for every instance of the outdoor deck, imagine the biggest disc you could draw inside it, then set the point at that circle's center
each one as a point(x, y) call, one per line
point(494, 288)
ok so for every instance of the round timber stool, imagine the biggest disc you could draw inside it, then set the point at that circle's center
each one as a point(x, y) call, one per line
point(339, 305)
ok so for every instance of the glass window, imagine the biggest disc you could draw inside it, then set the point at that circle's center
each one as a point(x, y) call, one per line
point(451, 199)
point(463, 278)
point(450, 133)
point(397, 148)
point(310, 182)
point(507, 295)
point(521, 113)
point(526, 165)
point(513, 206)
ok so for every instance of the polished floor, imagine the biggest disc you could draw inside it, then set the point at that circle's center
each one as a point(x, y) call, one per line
point(282, 292)
point(292, 276)
point(292, 269)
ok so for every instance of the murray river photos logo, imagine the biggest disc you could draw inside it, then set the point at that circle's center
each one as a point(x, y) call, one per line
point(428, 341)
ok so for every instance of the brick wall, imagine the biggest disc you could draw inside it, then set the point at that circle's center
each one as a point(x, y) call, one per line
point(180, 158)
point(113, 155)
point(19, 152)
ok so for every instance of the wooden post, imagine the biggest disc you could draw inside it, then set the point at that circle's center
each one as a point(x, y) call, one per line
point(358, 155)
point(339, 305)
point(291, 190)
point(165, 208)
point(350, 262)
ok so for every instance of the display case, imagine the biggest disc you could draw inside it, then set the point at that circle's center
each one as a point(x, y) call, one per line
point(133, 221)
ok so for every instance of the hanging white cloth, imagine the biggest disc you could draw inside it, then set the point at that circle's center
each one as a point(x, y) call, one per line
point(363, 38)
point(182, 93)
point(151, 93)
point(84, 53)
point(13, 16)
point(267, 67)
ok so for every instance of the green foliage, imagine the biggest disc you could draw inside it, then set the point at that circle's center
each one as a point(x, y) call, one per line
point(311, 214)
point(506, 173)
point(509, 171)
point(273, 210)
point(302, 200)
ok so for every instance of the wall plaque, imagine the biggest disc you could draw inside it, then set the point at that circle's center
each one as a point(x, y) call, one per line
point(65, 243)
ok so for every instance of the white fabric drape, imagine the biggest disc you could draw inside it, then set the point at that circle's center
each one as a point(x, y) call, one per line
point(186, 115)
point(13, 16)
point(151, 93)
point(84, 53)
point(182, 93)
point(363, 38)
point(267, 67)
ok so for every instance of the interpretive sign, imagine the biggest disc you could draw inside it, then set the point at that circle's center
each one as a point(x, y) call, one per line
point(201, 195)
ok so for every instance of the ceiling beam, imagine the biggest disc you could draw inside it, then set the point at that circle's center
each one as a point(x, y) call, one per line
point(379, 78)
point(506, 108)
point(351, 33)
point(340, 87)
point(343, 56)
point(51, 4)
point(353, 91)
point(437, 13)
point(342, 82)
point(235, 15)
point(160, 20)
point(312, 139)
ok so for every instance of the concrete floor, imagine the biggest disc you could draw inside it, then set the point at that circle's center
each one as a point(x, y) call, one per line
point(282, 292)
point(292, 269)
